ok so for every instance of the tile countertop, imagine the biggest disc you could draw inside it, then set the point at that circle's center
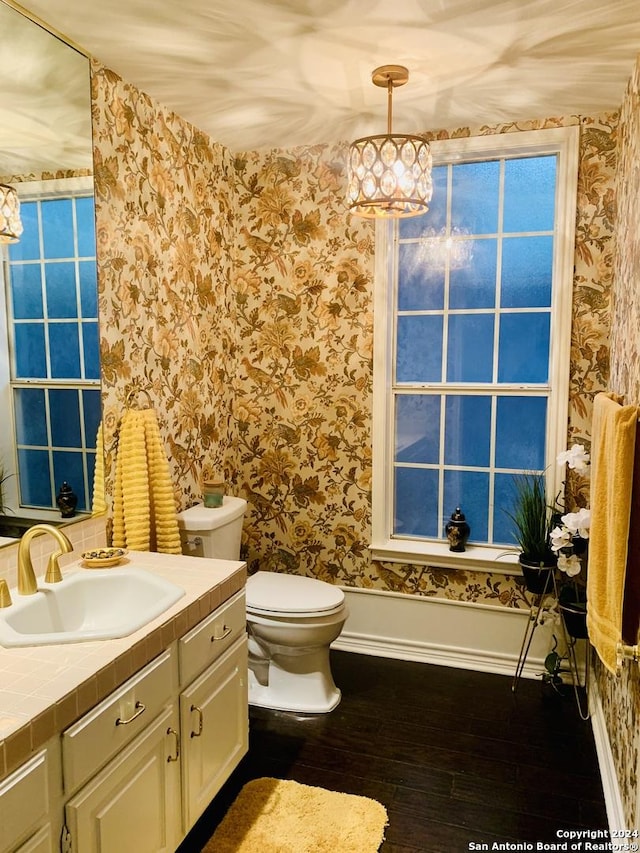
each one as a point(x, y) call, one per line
point(43, 689)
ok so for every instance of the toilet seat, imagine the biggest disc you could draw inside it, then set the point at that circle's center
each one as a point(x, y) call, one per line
point(278, 595)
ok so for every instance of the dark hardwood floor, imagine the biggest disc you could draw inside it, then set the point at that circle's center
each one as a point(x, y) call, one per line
point(455, 757)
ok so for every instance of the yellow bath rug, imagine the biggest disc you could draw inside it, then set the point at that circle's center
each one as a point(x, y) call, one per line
point(278, 816)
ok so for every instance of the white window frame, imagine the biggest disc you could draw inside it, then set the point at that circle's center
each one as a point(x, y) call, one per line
point(563, 142)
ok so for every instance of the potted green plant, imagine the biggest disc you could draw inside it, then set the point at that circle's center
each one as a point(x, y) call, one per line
point(533, 520)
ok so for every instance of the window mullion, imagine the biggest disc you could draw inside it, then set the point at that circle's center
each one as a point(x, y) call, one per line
point(47, 409)
point(76, 267)
point(498, 289)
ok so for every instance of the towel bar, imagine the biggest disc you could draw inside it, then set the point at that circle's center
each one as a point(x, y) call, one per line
point(133, 393)
point(625, 652)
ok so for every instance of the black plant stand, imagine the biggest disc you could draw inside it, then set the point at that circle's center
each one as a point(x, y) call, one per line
point(536, 613)
point(535, 618)
point(570, 643)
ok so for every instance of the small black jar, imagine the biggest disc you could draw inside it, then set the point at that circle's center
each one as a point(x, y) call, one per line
point(67, 501)
point(457, 530)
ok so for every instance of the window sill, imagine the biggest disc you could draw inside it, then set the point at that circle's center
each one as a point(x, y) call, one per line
point(437, 554)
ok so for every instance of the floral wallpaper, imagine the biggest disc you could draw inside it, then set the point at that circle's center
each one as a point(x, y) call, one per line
point(45, 176)
point(236, 298)
point(165, 218)
point(621, 694)
point(303, 287)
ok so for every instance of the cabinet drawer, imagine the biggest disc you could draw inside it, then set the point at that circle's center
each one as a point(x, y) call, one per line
point(211, 637)
point(24, 801)
point(88, 744)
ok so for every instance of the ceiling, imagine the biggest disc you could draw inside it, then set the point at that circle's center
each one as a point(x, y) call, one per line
point(287, 72)
point(45, 105)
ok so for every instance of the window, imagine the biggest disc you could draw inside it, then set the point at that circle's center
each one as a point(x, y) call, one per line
point(472, 326)
point(51, 296)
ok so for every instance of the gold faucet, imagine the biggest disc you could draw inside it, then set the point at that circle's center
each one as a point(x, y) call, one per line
point(5, 595)
point(27, 583)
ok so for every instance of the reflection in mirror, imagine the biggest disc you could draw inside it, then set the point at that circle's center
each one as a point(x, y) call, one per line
point(49, 362)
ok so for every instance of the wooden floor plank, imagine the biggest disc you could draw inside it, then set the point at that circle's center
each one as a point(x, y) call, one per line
point(454, 755)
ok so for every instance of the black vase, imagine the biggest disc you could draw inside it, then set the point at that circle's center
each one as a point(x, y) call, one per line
point(538, 578)
point(67, 501)
point(573, 606)
point(457, 530)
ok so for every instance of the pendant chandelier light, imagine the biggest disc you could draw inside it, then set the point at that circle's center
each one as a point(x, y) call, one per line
point(10, 222)
point(389, 174)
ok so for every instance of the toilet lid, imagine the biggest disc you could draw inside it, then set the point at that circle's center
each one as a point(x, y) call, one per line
point(279, 593)
point(200, 517)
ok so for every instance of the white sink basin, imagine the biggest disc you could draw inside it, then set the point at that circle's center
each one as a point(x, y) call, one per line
point(92, 604)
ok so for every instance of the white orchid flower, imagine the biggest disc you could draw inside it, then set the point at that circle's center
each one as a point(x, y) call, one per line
point(576, 457)
point(571, 565)
point(560, 538)
point(578, 522)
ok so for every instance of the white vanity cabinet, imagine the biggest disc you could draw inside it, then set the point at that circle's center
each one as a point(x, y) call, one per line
point(213, 705)
point(141, 767)
point(25, 801)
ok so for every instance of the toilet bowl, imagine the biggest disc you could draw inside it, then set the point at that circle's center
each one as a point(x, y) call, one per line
point(292, 621)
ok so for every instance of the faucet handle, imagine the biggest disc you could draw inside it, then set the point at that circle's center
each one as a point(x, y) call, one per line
point(53, 573)
point(5, 595)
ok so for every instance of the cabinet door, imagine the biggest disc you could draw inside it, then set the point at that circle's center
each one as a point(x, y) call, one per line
point(133, 804)
point(215, 728)
point(41, 842)
point(24, 801)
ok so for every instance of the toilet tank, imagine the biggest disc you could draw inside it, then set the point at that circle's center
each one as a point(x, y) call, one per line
point(213, 531)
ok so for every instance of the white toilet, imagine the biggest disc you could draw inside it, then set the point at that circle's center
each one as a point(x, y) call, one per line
point(291, 620)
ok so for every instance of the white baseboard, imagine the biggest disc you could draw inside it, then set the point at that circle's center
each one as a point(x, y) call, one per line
point(608, 776)
point(468, 636)
point(435, 630)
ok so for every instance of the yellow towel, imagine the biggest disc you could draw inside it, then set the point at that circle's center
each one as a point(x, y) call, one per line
point(98, 504)
point(164, 520)
point(144, 511)
point(612, 452)
point(131, 514)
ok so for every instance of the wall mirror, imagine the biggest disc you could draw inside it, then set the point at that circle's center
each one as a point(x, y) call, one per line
point(49, 356)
